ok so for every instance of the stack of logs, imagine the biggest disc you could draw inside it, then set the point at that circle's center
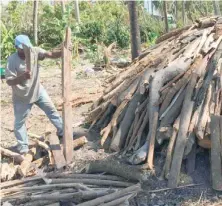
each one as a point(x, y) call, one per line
point(42, 154)
point(69, 189)
point(168, 94)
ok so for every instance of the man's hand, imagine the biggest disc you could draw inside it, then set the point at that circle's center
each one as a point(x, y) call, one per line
point(19, 79)
point(24, 76)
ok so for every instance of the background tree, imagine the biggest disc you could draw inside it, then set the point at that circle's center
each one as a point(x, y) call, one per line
point(216, 6)
point(183, 12)
point(165, 16)
point(35, 21)
point(134, 29)
point(63, 6)
point(77, 16)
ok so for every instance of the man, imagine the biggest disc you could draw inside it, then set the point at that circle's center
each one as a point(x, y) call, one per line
point(27, 90)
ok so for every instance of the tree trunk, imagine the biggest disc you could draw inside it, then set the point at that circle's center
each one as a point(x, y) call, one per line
point(63, 6)
point(165, 16)
point(35, 21)
point(183, 11)
point(76, 2)
point(134, 29)
point(216, 6)
point(176, 10)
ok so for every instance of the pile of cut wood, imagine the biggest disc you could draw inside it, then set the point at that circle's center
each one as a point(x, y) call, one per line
point(69, 189)
point(168, 93)
point(42, 154)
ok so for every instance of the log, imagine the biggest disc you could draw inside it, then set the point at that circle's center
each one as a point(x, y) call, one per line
point(116, 168)
point(66, 93)
point(203, 117)
point(208, 22)
point(141, 129)
point(172, 114)
point(57, 152)
point(25, 165)
point(46, 147)
point(120, 137)
point(77, 196)
point(148, 62)
point(108, 113)
point(183, 81)
point(79, 142)
point(110, 197)
point(216, 164)
point(127, 141)
point(8, 171)
point(118, 201)
point(18, 182)
point(170, 148)
point(91, 182)
point(46, 187)
point(136, 129)
point(85, 176)
point(172, 81)
point(162, 76)
point(15, 156)
point(163, 95)
point(172, 33)
point(183, 128)
point(28, 57)
point(105, 132)
point(151, 141)
point(212, 66)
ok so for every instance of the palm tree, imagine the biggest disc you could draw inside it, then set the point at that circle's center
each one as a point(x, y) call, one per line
point(216, 6)
point(63, 6)
point(183, 11)
point(165, 16)
point(76, 2)
point(134, 29)
point(35, 21)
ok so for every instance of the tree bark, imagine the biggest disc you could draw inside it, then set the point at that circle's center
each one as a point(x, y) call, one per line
point(77, 16)
point(176, 10)
point(134, 30)
point(215, 153)
point(111, 197)
point(216, 5)
point(66, 94)
point(183, 12)
point(35, 21)
point(165, 16)
point(63, 6)
point(115, 168)
point(15, 156)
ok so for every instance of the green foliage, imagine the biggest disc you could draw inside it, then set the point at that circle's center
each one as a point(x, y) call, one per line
point(7, 41)
point(102, 23)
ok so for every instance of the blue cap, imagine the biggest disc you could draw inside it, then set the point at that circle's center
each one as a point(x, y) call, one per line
point(22, 39)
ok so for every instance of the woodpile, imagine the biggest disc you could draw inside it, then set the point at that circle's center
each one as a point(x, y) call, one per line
point(42, 154)
point(70, 189)
point(167, 94)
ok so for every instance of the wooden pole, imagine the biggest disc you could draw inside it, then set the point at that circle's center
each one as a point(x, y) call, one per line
point(66, 92)
point(215, 153)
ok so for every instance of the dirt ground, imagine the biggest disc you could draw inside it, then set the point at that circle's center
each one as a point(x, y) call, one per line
point(83, 84)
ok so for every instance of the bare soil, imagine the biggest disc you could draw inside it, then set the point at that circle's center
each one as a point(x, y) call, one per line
point(85, 84)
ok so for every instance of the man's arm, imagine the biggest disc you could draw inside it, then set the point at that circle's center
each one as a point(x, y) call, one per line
point(57, 53)
point(19, 79)
point(53, 54)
